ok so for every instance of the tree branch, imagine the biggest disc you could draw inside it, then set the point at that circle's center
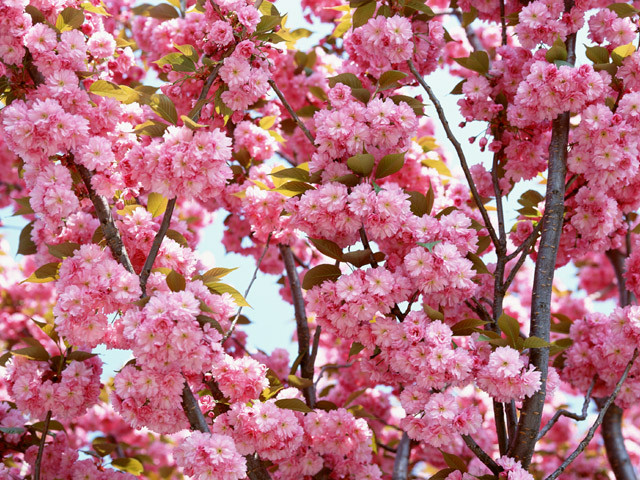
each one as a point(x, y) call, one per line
point(459, 151)
point(482, 455)
point(302, 327)
point(401, 463)
point(246, 292)
point(109, 229)
point(293, 114)
point(566, 413)
point(155, 247)
point(603, 410)
point(38, 464)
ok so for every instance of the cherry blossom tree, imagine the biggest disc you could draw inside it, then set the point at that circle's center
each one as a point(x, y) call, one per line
point(433, 340)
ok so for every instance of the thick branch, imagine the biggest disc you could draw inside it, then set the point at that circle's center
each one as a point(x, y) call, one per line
point(293, 114)
point(45, 431)
point(603, 410)
point(401, 463)
point(459, 151)
point(482, 455)
point(155, 247)
point(306, 366)
point(109, 229)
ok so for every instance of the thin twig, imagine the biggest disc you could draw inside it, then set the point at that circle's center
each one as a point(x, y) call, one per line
point(566, 413)
point(293, 114)
point(459, 151)
point(38, 465)
point(246, 292)
point(401, 463)
point(316, 345)
point(527, 243)
point(503, 23)
point(482, 455)
point(326, 368)
point(302, 326)
point(155, 247)
point(603, 410)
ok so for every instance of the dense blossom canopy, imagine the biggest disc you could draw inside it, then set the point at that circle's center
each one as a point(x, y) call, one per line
point(433, 340)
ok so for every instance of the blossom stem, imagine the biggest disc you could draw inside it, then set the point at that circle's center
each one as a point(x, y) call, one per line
point(401, 463)
point(38, 465)
point(603, 410)
point(155, 247)
point(459, 151)
point(246, 292)
point(566, 413)
point(293, 114)
point(302, 326)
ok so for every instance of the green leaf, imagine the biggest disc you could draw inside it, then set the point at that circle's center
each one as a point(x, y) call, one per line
point(152, 128)
point(163, 11)
point(390, 164)
point(293, 404)
point(363, 13)
point(598, 54)
point(156, 204)
point(469, 17)
point(268, 22)
point(63, 250)
point(122, 93)
point(177, 237)
point(535, 342)
point(204, 319)
point(103, 447)
point(510, 327)
point(53, 425)
point(356, 348)
point(294, 188)
point(457, 90)
point(360, 258)
point(415, 104)
point(467, 327)
point(26, 245)
point(390, 79)
point(163, 106)
point(477, 62)
point(294, 173)
point(432, 313)
point(215, 274)
point(98, 9)
point(478, 264)
point(327, 247)
point(69, 19)
point(189, 51)
point(348, 79)
point(623, 9)
point(361, 94)
point(12, 430)
point(428, 245)
point(129, 465)
point(557, 52)
point(454, 461)
point(221, 288)
point(176, 281)
point(431, 198)
point(300, 383)
point(34, 353)
point(25, 207)
point(362, 164)
point(483, 242)
point(188, 122)
point(80, 356)
point(421, 7)
point(319, 274)
point(44, 274)
point(178, 61)
point(419, 203)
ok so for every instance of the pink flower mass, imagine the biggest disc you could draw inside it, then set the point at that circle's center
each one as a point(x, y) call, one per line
point(446, 193)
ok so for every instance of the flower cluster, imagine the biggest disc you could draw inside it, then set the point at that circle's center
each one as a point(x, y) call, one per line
point(36, 387)
point(505, 377)
point(207, 457)
point(91, 286)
